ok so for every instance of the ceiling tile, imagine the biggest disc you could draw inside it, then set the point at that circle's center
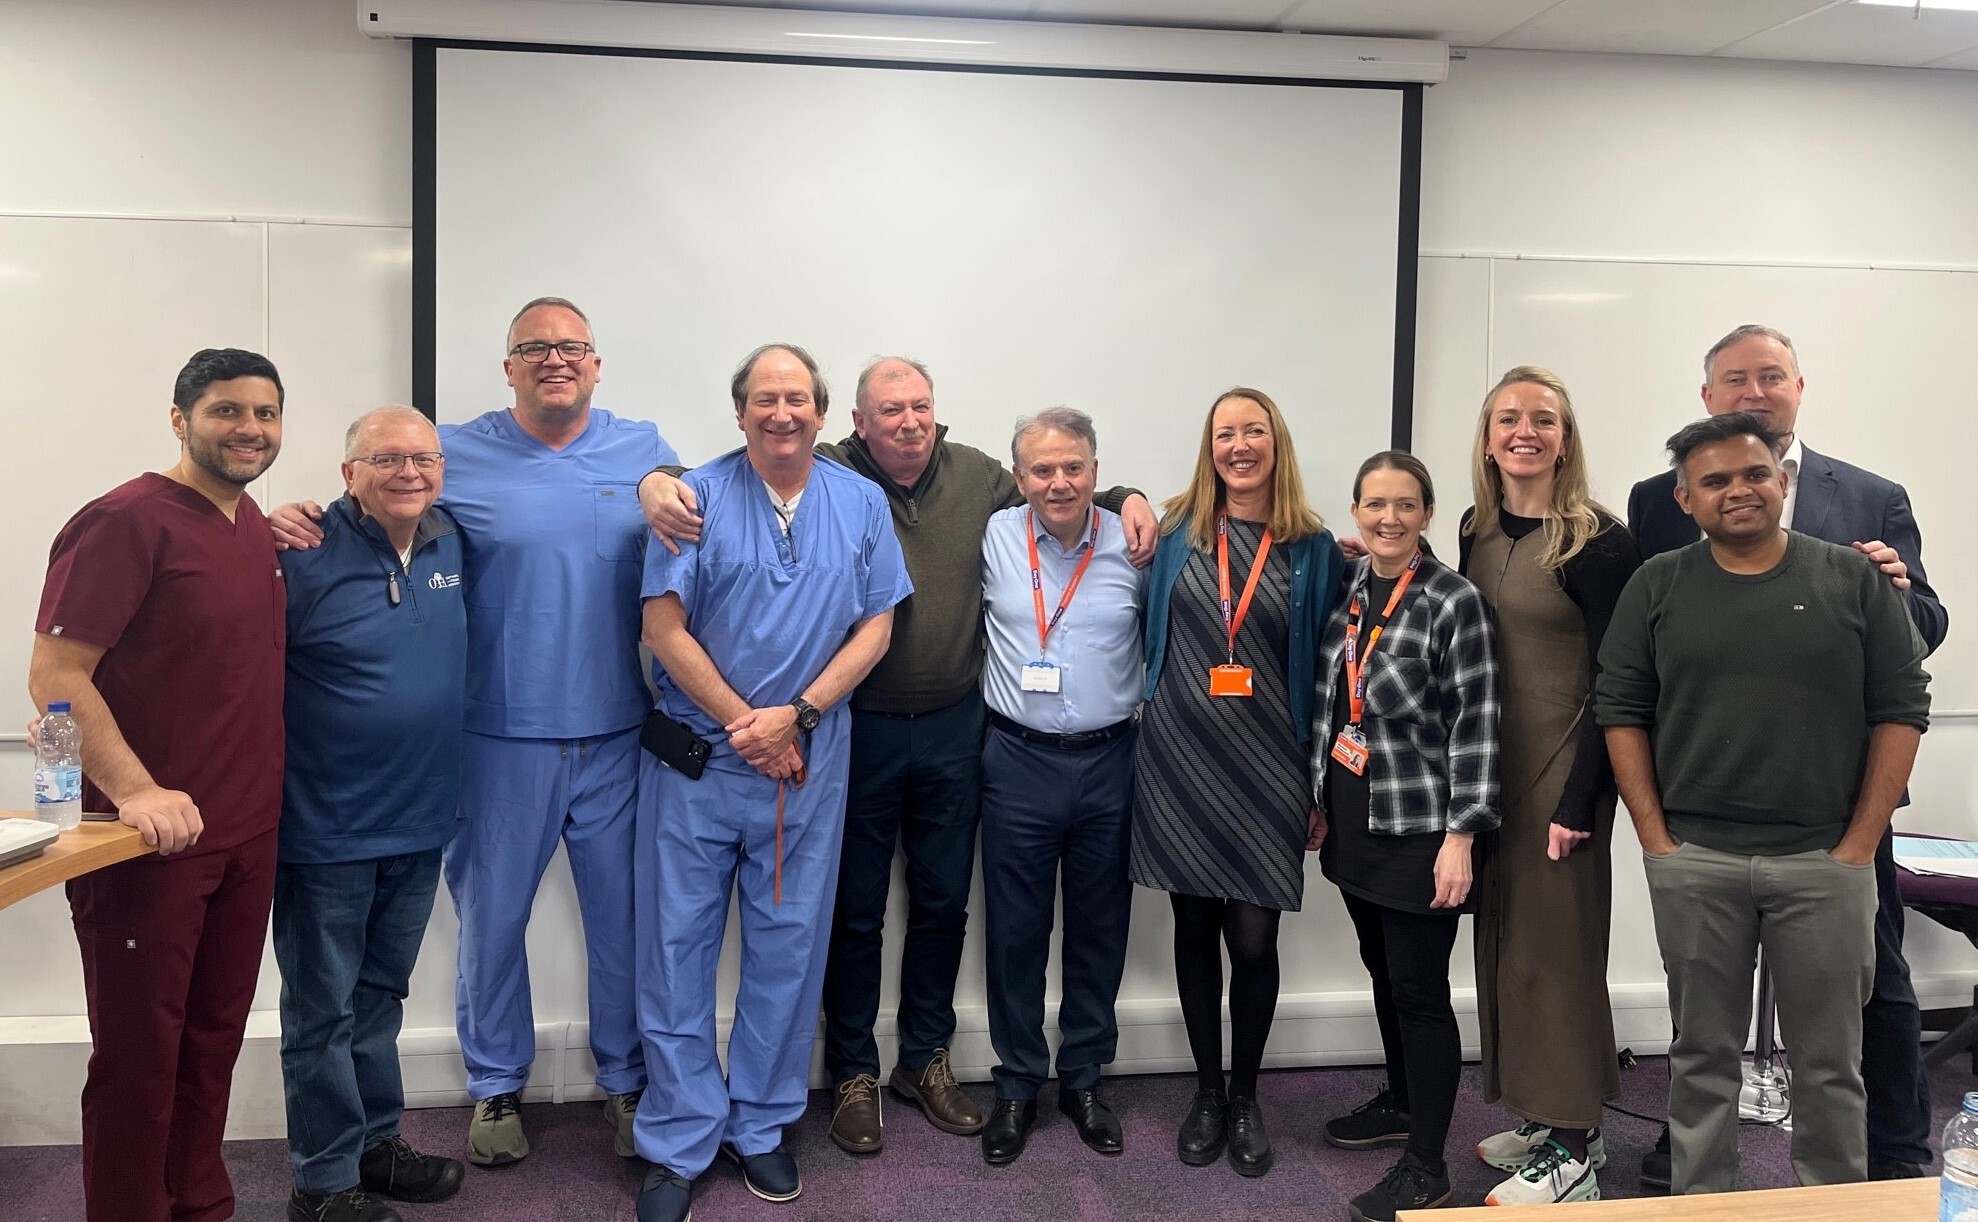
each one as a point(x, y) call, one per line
point(1863, 34)
point(1229, 14)
point(1463, 23)
point(1668, 27)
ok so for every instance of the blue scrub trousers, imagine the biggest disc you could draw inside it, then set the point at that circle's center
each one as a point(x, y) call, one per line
point(518, 797)
point(346, 936)
point(706, 840)
point(1046, 813)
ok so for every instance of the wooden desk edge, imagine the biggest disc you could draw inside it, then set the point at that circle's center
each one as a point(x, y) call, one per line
point(1885, 1201)
point(90, 846)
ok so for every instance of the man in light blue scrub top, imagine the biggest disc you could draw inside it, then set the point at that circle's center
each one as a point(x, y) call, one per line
point(546, 497)
point(763, 628)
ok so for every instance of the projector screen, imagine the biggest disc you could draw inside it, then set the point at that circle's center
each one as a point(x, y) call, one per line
point(1127, 246)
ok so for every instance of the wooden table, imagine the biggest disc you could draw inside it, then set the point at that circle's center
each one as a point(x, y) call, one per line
point(90, 846)
point(1891, 1201)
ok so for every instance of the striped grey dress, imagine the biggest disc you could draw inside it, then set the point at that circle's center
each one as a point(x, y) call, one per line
point(1222, 786)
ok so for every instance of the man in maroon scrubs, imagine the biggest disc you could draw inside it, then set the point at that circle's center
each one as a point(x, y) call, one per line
point(162, 624)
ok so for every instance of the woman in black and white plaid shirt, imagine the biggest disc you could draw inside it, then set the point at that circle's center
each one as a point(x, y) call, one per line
point(1405, 768)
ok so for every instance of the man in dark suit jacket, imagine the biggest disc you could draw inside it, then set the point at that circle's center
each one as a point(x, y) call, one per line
point(1755, 369)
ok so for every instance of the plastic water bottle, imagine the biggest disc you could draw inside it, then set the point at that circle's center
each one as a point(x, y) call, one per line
point(1958, 1198)
point(58, 771)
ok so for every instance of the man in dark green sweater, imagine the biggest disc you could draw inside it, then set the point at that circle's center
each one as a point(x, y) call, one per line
point(917, 730)
point(1763, 695)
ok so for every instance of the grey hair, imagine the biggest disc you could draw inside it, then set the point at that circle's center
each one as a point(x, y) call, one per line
point(1064, 420)
point(1742, 334)
point(872, 367)
point(561, 303)
point(1697, 434)
point(395, 411)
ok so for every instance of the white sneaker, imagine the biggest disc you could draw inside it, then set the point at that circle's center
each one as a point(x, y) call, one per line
point(1511, 1151)
point(1551, 1176)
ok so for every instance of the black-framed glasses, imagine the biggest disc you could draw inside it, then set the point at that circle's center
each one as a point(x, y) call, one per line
point(428, 461)
point(535, 352)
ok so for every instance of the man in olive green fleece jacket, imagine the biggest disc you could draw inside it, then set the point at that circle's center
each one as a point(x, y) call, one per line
point(1763, 696)
point(917, 723)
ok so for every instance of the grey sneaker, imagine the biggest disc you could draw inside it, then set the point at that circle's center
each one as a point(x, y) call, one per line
point(620, 1109)
point(494, 1135)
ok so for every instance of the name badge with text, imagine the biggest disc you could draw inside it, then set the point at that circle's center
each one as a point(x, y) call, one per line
point(1350, 749)
point(1041, 677)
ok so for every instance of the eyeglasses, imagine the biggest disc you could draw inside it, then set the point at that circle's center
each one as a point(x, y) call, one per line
point(536, 352)
point(392, 462)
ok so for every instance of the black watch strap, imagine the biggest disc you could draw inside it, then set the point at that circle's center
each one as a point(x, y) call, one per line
point(807, 714)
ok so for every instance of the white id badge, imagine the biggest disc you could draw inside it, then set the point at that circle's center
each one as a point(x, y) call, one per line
point(1041, 677)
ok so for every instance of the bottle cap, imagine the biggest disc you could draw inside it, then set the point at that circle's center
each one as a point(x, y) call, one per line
point(1971, 1103)
point(58, 706)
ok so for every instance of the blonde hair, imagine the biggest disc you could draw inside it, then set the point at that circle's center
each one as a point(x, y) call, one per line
point(1291, 515)
point(1572, 516)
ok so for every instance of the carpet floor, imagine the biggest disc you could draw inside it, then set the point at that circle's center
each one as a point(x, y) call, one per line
point(928, 1176)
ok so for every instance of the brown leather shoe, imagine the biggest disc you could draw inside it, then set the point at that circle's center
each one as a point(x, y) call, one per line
point(936, 1093)
point(856, 1125)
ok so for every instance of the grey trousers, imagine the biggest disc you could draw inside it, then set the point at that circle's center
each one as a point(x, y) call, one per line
point(1815, 917)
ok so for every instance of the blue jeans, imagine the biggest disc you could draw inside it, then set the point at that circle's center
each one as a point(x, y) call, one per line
point(346, 937)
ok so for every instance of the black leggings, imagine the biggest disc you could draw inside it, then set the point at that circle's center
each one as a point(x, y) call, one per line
point(1407, 953)
point(1201, 928)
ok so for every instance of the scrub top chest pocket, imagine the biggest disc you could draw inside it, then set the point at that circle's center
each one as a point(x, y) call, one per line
point(620, 524)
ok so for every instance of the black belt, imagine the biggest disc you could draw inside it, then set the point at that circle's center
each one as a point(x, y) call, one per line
point(1083, 741)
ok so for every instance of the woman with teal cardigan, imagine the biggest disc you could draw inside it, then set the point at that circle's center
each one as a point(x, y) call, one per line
point(1244, 579)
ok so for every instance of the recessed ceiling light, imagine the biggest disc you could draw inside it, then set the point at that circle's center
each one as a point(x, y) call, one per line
point(1961, 6)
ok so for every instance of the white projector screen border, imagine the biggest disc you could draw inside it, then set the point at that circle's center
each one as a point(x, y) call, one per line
point(427, 341)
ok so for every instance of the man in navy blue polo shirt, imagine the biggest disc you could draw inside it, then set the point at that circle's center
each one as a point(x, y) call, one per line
point(375, 702)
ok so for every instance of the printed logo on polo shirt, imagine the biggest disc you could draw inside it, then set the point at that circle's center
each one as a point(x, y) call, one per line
point(443, 581)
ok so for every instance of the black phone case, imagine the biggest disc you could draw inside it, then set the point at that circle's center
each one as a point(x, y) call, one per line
point(675, 745)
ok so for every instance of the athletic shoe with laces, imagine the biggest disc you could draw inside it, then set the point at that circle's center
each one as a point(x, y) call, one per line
point(1552, 1176)
point(1377, 1122)
point(1511, 1151)
point(621, 1110)
point(494, 1135)
point(353, 1205)
point(1407, 1185)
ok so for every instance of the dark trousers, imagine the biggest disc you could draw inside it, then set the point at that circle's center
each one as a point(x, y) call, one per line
point(346, 937)
point(1407, 954)
point(1047, 813)
point(1892, 1034)
point(171, 947)
point(915, 781)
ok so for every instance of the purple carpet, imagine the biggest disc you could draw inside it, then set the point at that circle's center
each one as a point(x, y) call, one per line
point(572, 1175)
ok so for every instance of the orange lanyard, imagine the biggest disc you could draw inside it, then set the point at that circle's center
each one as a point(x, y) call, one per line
point(1356, 663)
point(1071, 587)
point(1233, 620)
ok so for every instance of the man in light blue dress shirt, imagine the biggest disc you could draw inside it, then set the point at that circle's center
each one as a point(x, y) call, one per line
point(1062, 683)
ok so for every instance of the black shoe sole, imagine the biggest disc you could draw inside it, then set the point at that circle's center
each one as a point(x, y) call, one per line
point(1201, 1158)
point(1367, 1143)
point(1253, 1170)
point(1002, 1160)
point(1354, 1213)
point(1655, 1181)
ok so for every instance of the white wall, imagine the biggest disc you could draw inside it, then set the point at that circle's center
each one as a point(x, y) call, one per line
point(1629, 210)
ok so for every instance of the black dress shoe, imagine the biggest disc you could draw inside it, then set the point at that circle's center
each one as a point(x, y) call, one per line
point(1006, 1130)
point(1097, 1126)
point(1204, 1130)
point(394, 1169)
point(1250, 1149)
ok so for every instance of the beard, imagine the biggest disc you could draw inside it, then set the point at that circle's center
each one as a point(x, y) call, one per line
point(211, 458)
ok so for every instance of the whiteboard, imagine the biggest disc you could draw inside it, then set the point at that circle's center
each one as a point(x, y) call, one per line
point(1128, 247)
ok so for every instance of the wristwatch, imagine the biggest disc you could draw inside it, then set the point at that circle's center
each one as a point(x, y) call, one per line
point(807, 716)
